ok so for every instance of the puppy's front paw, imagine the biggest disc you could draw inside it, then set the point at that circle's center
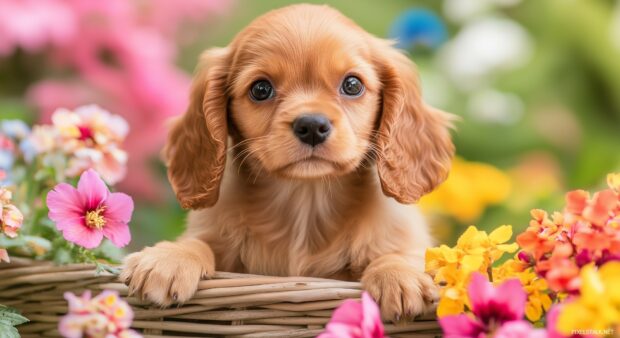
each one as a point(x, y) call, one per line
point(400, 290)
point(168, 272)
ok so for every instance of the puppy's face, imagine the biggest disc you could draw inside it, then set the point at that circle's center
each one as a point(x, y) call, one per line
point(305, 93)
point(304, 96)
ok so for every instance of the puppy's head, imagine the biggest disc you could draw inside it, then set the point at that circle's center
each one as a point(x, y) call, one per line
point(308, 94)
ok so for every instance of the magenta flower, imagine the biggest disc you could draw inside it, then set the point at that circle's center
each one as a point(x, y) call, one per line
point(86, 214)
point(353, 319)
point(492, 308)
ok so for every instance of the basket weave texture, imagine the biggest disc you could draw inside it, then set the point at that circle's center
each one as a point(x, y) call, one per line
point(231, 305)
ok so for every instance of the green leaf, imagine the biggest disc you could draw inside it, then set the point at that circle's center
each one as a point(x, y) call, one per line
point(109, 252)
point(42, 174)
point(41, 242)
point(8, 319)
point(8, 331)
point(106, 268)
point(62, 256)
point(11, 318)
point(6, 242)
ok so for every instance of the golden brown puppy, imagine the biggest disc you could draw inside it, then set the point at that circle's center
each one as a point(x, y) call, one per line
point(302, 139)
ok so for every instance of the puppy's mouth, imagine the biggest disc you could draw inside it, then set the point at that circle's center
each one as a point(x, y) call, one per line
point(313, 167)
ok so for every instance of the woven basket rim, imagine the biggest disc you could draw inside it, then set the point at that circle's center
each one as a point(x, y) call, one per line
point(229, 304)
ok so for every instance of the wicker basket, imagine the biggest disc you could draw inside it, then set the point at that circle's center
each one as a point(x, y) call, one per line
point(233, 305)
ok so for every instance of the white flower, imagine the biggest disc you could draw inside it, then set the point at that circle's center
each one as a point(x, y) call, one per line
point(493, 106)
point(482, 48)
point(15, 129)
point(462, 11)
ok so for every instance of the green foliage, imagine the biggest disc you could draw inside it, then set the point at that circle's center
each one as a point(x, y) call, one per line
point(9, 318)
point(64, 252)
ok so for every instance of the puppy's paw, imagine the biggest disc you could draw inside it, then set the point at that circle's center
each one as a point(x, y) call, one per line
point(400, 290)
point(168, 272)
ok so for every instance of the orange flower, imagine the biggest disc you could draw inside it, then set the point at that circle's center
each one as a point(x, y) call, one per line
point(600, 207)
point(576, 201)
point(587, 232)
point(597, 210)
point(541, 236)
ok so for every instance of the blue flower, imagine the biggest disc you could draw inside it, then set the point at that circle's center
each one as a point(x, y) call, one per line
point(418, 27)
point(15, 129)
point(28, 149)
point(6, 159)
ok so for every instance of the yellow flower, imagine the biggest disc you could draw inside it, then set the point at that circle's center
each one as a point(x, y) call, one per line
point(469, 189)
point(613, 180)
point(598, 306)
point(475, 250)
point(536, 288)
point(452, 301)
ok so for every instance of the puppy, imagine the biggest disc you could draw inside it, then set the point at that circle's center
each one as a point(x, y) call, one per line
point(305, 143)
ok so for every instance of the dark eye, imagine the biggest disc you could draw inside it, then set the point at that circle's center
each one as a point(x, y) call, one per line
point(352, 86)
point(261, 90)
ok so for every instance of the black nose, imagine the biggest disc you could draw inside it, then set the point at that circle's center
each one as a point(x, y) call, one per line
point(312, 129)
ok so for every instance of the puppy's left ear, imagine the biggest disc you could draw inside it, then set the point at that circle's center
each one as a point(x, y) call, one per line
point(414, 144)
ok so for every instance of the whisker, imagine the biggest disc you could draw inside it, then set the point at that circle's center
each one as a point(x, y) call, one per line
point(246, 141)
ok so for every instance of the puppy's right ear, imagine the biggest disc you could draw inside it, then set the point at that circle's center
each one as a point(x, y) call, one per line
point(195, 152)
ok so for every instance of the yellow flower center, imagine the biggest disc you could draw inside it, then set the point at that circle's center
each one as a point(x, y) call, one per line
point(95, 219)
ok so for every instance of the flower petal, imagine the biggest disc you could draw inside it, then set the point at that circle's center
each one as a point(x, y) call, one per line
point(576, 201)
point(70, 222)
point(599, 209)
point(77, 304)
point(613, 180)
point(519, 329)
point(117, 232)
point(480, 292)
point(511, 299)
point(64, 201)
point(349, 313)
point(471, 263)
point(339, 330)
point(119, 207)
point(92, 189)
point(83, 236)
point(449, 306)
point(72, 325)
point(460, 326)
point(372, 325)
point(501, 234)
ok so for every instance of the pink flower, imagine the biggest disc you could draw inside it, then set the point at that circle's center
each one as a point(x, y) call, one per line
point(136, 77)
point(33, 25)
point(92, 136)
point(170, 17)
point(492, 307)
point(110, 164)
point(353, 319)
point(519, 329)
point(106, 315)
point(86, 214)
point(11, 218)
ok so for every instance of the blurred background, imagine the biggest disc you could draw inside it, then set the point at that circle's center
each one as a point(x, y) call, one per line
point(536, 84)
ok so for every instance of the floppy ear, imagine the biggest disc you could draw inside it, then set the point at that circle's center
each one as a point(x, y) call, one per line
point(196, 149)
point(414, 145)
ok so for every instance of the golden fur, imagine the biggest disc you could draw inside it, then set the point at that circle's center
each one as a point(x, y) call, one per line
point(265, 203)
